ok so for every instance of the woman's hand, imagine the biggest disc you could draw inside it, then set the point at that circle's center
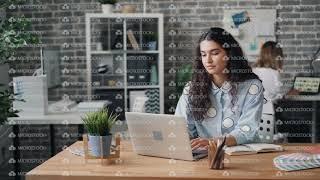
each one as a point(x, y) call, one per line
point(293, 92)
point(204, 142)
point(199, 142)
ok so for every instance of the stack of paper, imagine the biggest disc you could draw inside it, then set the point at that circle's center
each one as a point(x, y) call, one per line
point(92, 106)
point(297, 161)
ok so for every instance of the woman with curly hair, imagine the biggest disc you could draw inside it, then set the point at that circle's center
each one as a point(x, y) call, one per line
point(224, 96)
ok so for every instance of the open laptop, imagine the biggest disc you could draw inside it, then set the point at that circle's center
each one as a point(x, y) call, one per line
point(161, 135)
point(307, 85)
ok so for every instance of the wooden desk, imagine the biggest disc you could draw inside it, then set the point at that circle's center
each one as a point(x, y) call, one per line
point(66, 166)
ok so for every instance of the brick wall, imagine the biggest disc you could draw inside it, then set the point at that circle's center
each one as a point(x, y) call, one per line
point(62, 21)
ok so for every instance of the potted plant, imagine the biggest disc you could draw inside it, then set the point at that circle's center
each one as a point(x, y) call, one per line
point(107, 5)
point(99, 124)
point(6, 100)
point(14, 34)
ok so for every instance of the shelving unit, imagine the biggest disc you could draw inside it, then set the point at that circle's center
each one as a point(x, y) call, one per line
point(125, 57)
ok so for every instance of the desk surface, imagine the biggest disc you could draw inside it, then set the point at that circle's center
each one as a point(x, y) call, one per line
point(303, 97)
point(51, 118)
point(66, 166)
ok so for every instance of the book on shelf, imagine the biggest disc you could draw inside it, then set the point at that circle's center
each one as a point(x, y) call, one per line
point(132, 40)
point(253, 148)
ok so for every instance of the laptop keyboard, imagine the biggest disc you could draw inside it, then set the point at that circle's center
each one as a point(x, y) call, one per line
point(200, 151)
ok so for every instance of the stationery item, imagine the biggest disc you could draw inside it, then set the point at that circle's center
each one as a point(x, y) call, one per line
point(132, 40)
point(76, 151)
point(253, 149)
point(92, 106)
point(138, 70)
point(216, 154)
point(297, 161)
point(80, 151)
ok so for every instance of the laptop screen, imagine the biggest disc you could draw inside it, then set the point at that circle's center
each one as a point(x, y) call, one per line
point(307, 84)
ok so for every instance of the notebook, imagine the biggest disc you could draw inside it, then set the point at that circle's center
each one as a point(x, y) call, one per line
point(252, 149)
point(297, 161)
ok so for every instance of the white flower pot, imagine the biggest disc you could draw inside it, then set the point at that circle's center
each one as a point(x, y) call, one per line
point(96, 148)
point(107, 8)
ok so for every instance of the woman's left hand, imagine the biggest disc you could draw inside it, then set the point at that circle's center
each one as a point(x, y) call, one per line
point(204, 142)
point(199, 142)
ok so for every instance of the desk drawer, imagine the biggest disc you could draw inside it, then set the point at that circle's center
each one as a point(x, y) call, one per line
point(297, 119)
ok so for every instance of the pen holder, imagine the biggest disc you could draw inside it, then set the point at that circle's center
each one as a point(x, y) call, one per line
point(114, 151)
point(216, 154)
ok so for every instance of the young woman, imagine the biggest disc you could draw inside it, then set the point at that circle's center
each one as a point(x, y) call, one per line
point(224, 97)
point(268, 67)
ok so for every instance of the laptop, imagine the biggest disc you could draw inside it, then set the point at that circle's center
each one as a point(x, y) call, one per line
point(307, 85)
point(161, 135)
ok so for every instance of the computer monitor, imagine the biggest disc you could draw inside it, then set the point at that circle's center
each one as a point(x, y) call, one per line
point(307, 85)
point(50, 65)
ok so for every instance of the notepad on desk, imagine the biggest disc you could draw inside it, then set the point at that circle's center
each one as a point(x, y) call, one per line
point(252, 149)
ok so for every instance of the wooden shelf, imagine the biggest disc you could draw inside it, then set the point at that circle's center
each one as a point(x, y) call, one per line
point(143, 87)
point(128, 87)
point(97, 74)
point(107, 87)
point(123, 51)
point(121, 57)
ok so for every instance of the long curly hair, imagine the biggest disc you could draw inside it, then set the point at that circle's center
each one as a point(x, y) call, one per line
point(237, 70)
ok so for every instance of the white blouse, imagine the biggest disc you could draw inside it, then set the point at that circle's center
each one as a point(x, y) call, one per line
point(272, 85)
point(240, 119)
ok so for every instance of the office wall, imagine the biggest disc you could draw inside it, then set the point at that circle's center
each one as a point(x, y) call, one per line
point(62, 21)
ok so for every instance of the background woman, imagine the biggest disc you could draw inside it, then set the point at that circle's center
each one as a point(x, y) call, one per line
point(268, 68)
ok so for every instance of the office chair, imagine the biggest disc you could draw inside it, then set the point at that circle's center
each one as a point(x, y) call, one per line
point(266, 128)
point(266, 124)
